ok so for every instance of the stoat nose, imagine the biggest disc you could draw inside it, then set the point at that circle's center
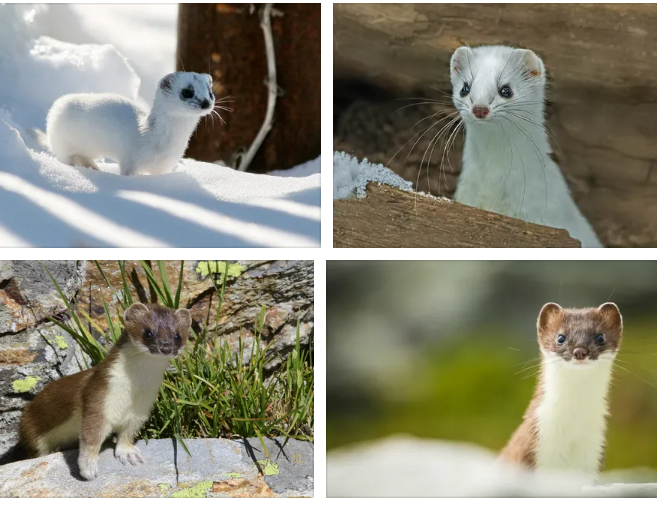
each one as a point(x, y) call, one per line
point(205, 104)
point(480, 111)
point(166, 348)
point(580, 353)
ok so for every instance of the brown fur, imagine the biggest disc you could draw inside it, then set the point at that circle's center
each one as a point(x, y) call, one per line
point(580, 326)
point(85, 392)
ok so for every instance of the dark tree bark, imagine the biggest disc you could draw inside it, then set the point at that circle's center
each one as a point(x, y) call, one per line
point(227, 41)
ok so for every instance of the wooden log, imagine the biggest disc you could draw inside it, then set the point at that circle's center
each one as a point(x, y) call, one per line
point(389, 217)
point(601, 62)
point(227, 41)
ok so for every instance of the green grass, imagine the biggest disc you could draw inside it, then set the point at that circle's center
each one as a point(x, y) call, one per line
point(211, 392)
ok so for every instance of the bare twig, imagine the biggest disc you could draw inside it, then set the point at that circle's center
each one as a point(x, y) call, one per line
point(265, 24)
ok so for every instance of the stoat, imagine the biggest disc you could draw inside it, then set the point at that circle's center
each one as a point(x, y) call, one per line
point(115, 396)
point(499, 92)
point(82, 128)
point(564, 426)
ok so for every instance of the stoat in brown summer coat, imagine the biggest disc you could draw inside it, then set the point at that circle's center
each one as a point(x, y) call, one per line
point(115, 396)
point(565, 423)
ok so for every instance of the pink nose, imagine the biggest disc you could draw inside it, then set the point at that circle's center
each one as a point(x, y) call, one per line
point(480, 112)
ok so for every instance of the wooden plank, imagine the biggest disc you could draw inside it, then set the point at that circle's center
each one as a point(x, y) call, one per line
point(408, 43)
point(389, 217)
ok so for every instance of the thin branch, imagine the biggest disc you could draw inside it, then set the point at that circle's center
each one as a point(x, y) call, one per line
point(265, 24)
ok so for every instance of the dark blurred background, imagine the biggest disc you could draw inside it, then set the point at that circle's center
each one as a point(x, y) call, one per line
point(445, 349)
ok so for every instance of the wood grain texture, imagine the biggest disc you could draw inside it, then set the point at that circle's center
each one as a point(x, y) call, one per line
point(389, 217)
point(601, 62)
point(226, 40)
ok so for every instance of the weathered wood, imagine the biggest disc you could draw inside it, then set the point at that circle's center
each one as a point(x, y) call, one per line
point(227, 41)
point(389, 217)
point(602, 67)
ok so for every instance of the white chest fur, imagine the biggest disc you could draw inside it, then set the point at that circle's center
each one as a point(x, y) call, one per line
point(571, 417)
point(135, 380)
point(509, 172)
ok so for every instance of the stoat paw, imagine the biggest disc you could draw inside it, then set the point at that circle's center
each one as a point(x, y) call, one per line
point(128, 454)
point(88, 468)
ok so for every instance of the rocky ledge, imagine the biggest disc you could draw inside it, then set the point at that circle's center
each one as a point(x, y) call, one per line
point(216, 468)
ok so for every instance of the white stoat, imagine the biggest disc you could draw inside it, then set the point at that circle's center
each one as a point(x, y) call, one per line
point(499, 92)
point(84, 127)
point(564, 425)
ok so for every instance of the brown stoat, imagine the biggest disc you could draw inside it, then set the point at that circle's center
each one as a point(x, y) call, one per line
point(115, 396)
point(564, 426)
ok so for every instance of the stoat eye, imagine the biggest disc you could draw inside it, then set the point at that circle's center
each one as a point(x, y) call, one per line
point(600, 339)
point(561, 339)
point(505, 91)
point(187, 93)
point(148, 334)
point(178, 337)
point(465, 90)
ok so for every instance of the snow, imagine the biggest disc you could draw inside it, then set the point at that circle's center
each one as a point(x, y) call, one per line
point(46, 203)
point(350, 176)
point(405, 466)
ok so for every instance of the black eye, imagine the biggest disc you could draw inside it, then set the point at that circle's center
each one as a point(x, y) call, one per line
point(465, 90)
point(600, 339)
point(505, 91)
point(561, 339)
point(178, 337)
point(148, 334)
point(187, 93)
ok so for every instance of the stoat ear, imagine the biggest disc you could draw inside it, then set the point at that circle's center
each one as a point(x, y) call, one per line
point(549, 314)
point(461, 60)
point(184, 316)
point(134, 312)
point(611, 314)
point(532, 62)
point(166, 82)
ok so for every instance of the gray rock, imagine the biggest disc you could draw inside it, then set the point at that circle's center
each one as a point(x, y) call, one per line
point(218, 467)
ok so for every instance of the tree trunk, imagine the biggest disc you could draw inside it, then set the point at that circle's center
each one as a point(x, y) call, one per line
point(227, 41)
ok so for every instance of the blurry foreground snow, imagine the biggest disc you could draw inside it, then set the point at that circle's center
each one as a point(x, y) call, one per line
point(403, 466)
point(46, 203)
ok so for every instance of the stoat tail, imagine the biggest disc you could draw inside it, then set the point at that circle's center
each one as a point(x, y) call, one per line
point(40, 139)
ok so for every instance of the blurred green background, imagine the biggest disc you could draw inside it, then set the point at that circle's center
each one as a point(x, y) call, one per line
point(445, 349)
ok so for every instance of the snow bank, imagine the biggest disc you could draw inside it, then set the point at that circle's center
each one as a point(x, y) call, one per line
point(350, 176)
point(49, 204)
point(403, 466)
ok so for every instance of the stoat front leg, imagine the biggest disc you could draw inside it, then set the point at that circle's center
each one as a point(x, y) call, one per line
point(93, 431)
point(125, 450)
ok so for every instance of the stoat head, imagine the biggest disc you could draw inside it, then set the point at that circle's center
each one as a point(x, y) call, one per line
point(491, 84)
point(580, 336)
point(186, 94)
point(158, 330)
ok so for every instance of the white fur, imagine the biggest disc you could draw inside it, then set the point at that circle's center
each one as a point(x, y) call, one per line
point(134, 381)
point(506, 167)
point(571, 417)
point(85, 127)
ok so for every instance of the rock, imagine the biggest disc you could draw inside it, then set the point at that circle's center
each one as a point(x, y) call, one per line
point(403, 466)
point(285, 288)
point(33, 351)
point(218, 467)
point(28, 296)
